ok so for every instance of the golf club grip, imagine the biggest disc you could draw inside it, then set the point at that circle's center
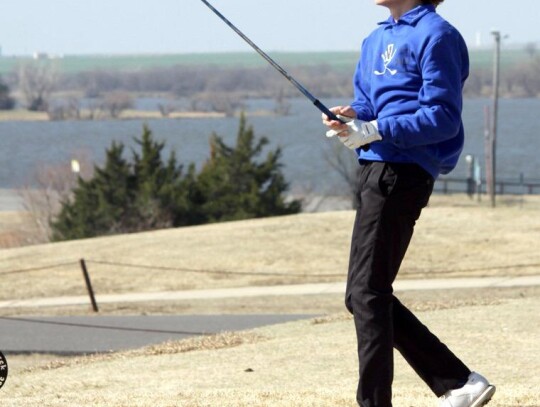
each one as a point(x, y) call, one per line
point(326, 111)
point(332, 116)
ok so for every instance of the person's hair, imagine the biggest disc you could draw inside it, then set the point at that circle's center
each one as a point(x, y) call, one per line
point(434, 2)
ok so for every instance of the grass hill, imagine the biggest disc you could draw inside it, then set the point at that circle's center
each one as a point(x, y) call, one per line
point(455, 237)
point(307, 363)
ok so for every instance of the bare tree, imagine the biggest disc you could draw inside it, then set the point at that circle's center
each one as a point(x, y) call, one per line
point(530, 49)
point(6, 101)
point(166, 109)
point(526, 79)
point(222, 102)
point(52, 185)
point(345, 163)
point(69, 109)
point(282, 106)
point(312, 199)
point(94, 109)
point(116, 102)
point(37, 81)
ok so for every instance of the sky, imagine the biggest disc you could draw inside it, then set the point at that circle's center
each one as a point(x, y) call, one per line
point(68, 27)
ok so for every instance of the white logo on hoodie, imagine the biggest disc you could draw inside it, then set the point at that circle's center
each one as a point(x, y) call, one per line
point(387, 58)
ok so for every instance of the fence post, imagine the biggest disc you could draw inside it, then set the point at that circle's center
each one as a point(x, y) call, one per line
point(89, 285)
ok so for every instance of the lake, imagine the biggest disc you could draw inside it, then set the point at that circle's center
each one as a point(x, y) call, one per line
point(25, 146)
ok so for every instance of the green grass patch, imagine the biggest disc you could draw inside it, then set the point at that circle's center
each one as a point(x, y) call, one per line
point(346, 60)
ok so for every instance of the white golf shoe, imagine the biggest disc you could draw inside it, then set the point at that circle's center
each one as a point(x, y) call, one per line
point(475, 393)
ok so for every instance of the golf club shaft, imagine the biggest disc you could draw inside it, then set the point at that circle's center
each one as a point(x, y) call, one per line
point(298, 86)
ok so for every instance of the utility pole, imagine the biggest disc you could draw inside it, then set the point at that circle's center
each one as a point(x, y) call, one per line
point(487, 152)
point(494, 116)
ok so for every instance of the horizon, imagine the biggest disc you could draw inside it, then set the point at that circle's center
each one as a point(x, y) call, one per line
point(124, 27)
point(487, 47)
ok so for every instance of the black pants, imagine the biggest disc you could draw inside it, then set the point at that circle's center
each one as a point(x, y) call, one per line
point(390, 199)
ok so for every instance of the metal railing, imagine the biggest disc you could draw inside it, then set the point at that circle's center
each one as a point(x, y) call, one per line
point(448, 185)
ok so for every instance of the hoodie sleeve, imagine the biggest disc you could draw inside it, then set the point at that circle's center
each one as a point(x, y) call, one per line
point(444, 66)
point(362, 104)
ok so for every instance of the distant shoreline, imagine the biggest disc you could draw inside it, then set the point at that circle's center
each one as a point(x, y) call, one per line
point(21, 115)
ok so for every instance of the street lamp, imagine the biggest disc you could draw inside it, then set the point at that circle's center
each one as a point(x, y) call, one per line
point(75, 167)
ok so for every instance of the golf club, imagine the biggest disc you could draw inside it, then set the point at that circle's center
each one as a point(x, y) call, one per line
point(298, 86)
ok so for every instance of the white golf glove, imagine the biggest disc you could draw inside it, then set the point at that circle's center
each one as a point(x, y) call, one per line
point(357, 136)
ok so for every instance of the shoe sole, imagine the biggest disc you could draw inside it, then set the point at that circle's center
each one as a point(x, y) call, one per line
point(485, 397)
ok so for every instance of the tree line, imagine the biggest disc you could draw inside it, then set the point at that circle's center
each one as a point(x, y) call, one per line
point(149, 192)
point(209, 88)
point(108, 92)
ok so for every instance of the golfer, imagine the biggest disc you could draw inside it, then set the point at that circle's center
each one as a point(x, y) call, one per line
point(407, 130)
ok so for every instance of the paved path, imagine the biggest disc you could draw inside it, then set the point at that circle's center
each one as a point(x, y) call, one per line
point(76, 335)
point(81, 335)
point(300, 289)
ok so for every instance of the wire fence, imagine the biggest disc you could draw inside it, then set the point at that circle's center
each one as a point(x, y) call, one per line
point(83, 265)
point(207, 271)
point(89, 261)
point(173, 269)
point(101, 326)
point(41, 268)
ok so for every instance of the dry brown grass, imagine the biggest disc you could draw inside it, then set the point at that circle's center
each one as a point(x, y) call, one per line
point(316, 304)
point(32, 363)
point(454, 237)
point(22, 115)
point(129, 114)
point(308, 363)
point(295, 364)
point(15, 229)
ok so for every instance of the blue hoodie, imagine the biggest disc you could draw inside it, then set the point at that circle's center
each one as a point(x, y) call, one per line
point(410, 79)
